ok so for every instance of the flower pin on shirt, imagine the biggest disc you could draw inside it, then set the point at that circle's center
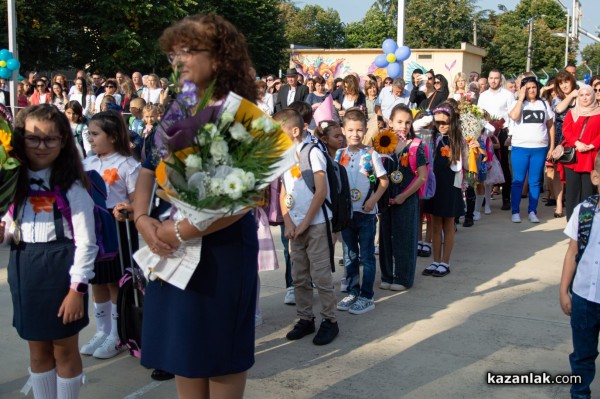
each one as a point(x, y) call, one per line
point(42, 204)
point(110, 176)
point(404, 160)
point(445, 150)
point(295, 171)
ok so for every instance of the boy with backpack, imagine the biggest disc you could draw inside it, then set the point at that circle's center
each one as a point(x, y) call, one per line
point(580, 276)
point(365, 170)
point(306, 224)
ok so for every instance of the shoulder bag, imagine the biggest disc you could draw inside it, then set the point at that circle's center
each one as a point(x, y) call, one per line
point(566, 154)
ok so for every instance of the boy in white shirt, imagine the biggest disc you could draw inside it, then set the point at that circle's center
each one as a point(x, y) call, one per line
point(364, 168)
point(584, 304)
point(306, 229)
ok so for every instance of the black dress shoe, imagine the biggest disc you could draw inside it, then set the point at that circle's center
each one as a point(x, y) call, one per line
point(468, 223)
point(160, 375)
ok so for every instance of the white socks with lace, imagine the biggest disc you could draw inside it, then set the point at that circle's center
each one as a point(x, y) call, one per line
point(43, 384)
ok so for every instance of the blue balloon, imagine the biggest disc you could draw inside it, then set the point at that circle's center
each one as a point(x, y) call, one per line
point(394, 70)
point(13, 64)
point(402, 53)
point(389, 46)
point(380, 61)
point(5, 73)
point(5, 55)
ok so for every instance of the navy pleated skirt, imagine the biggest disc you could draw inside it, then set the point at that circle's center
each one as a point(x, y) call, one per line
point(206, 330)
point(39, 280)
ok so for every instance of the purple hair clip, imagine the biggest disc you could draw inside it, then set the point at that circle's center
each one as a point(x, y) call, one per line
point(445, 110)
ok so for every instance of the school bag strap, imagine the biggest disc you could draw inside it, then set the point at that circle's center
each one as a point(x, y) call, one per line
point(587, 210)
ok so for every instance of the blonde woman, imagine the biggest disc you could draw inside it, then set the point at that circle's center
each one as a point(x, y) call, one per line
point(151, 93)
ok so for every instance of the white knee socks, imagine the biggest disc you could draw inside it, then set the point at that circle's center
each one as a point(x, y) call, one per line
point(103, 317)
point(488, 198)
point(43, 384)
point(114, 331)
point(478, 202)
point(68, 388)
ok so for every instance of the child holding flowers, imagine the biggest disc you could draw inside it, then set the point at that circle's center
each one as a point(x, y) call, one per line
point(447, 203)
point(399, 219)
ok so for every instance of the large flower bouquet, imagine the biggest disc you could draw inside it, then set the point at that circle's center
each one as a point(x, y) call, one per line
point(472, 122)
point(216, 160)
point(9, 168)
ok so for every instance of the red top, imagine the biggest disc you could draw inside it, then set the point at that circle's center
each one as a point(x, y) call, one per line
point(591, 135)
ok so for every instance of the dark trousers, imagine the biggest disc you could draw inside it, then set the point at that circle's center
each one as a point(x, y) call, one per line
point(398, 236)
point(504, 155)
point(470, 197)
point(286, 255)
point(579, 186)
point(585, 327)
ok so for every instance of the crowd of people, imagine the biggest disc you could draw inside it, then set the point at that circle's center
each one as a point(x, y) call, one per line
point(410, 177)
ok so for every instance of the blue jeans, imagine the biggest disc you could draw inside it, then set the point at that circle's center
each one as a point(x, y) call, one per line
point(360, 236)
point(585, 327)
point(525, 160)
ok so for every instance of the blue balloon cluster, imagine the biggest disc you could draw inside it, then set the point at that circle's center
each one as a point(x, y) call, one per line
point(8, 64)
point(586, 79)
point(391, 58)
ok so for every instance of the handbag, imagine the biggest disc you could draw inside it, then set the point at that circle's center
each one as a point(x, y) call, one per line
point(567, 154)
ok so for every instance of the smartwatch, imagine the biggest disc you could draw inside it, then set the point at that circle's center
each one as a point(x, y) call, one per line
point(81, 288)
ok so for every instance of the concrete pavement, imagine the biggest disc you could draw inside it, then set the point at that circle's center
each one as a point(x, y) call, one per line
point(497, 311)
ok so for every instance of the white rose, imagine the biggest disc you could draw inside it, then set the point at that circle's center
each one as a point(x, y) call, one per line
point(212, 130)
point(227, 117)
point(249, 181)
point(238, 132)
point(197, 181)
point(200, 139)
point(193, 164)
point(219, 150)
point(233, 186)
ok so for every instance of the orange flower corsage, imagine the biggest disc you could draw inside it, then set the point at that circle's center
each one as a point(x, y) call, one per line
point(42, 204)
point(404, 160)
point(110, 176)
point(445, 150)
point(296, 173)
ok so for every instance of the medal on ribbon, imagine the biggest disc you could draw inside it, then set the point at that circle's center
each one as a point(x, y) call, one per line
point(355, 194)
point(396, 177)
point(289, 201)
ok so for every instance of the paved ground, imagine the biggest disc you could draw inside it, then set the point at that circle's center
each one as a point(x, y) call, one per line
point(497, 311)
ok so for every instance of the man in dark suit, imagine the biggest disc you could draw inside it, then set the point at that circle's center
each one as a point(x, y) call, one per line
point(291, 91)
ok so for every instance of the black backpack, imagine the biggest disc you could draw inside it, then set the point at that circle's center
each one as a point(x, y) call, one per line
point(339, 193)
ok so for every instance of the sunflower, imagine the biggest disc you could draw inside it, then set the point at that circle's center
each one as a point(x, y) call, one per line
point(385, 142)
point(5, 138)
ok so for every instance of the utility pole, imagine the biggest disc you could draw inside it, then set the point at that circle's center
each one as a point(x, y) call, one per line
point(475, 32)
point(529, 45)
point(567, 42)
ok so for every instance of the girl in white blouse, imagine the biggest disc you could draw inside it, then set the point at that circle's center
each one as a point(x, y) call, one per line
point(50, 261)
point(109, 140)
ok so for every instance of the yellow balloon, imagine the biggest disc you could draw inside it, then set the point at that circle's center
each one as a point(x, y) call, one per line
point(3, 64)
point(391, 57)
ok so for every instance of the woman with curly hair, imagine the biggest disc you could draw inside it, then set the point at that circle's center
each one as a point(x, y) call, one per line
point(211, 351)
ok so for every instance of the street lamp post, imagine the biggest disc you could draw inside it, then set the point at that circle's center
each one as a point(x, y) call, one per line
point(529, 45)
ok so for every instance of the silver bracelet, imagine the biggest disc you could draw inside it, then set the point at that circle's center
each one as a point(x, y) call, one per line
point(177, 232)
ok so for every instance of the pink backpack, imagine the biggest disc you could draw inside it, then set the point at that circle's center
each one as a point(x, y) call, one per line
point(427, 190)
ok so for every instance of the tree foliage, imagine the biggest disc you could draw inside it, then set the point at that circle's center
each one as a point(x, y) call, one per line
point(591, 55)
point(374, 28)
point(313, 26)
point(107, 36)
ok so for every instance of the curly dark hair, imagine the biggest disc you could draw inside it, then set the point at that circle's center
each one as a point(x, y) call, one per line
point(227, 47)
point(67, 168)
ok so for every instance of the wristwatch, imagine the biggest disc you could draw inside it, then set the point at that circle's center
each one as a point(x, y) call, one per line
point(81, 288)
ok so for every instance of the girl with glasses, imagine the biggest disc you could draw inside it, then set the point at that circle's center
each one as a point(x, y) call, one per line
point(51, 309)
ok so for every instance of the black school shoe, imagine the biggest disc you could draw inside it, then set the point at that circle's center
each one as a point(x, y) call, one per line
point(160, 375)
point(505, 206)
point(468, 222)
point(301, 329)
point(327, 332)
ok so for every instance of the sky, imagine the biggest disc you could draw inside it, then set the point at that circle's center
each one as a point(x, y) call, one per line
point(354, 10)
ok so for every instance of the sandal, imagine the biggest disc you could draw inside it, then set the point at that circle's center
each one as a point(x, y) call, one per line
point(429, 270)
point(441, 270)
point(425, 251)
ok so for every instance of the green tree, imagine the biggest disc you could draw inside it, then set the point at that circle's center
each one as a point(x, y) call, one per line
point(591, 55)
point(438, 24)
point(313, 26)
point(374, 28)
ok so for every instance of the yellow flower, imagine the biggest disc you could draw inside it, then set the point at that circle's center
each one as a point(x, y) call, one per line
point(385, 142)
point(5, 138)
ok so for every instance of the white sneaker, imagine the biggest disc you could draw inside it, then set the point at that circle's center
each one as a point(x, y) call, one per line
point(516, 218)
point(290, 297)
point(533, 217)
point(109, 348)
point(476, 215)
point(89, 347)
point(487, 210)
